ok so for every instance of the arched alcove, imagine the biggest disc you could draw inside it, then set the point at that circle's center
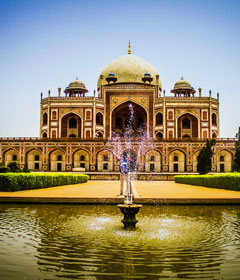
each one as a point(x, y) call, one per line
point(121, 117)
point(159, 118)
point(71, 125)
point(99, 118)
point(153, 161)
point(187, 126)
point(177, 161)
point(81, 159)
point(105, 161)
point(34, 160)
point(224, 161)
point(57, 160)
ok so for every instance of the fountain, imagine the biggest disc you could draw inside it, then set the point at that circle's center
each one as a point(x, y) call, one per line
point(128, 209)
point(134, 138)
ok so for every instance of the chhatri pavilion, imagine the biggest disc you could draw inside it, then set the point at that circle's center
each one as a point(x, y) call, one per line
point(75, 127)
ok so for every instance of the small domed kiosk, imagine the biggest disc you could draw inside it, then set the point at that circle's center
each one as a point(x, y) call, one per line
point(183, 88)
point(76, 89)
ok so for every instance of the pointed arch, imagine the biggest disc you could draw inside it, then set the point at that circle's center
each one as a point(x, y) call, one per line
point(34, 159)
point(214, 119)
point(153, 161)
point(177, 160)
point(99, 118)
point(214, 135)
point(81, 159)
point(159, 118)
point(44, 134)
point(10, 155)
point(45, 118)
point(187, 124)
point(99, 134)
point(65, 127)
point(159, 135)
point(105, 160)
point(55, 162)
point(120, 116)
point(224, 159)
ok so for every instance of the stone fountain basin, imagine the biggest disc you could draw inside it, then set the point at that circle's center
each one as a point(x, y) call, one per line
point(134, 207)
point(129, 211)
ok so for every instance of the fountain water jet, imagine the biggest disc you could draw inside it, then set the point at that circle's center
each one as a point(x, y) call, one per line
point(134, 138)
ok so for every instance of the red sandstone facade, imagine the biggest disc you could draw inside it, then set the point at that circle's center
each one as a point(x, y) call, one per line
point(75, 128)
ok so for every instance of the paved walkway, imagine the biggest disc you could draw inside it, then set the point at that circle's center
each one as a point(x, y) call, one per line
point(170, 189)
point(108, 191)
point(96, 189)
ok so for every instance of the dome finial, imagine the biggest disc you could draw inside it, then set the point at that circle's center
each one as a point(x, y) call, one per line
point(129, 47)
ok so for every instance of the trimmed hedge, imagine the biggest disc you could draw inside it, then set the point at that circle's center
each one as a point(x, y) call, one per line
point(11, 182)
point(228, 181)
point(3, 169)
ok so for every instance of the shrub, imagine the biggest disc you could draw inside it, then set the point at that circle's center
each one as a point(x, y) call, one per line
point(25, 170)
point(228, 181)
point(30, 181)
point(13, 167)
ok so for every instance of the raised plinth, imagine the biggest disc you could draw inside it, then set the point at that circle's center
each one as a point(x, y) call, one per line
point(129, 211)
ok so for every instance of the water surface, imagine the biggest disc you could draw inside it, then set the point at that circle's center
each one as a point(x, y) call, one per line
point(89, 242)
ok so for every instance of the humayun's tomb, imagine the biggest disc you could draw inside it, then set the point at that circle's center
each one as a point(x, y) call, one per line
point(75, 128)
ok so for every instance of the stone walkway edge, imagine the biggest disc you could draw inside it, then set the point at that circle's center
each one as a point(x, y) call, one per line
point(147, 201)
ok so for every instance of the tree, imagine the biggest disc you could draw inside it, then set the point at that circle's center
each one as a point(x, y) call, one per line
point(204, 159)
point(236, 160)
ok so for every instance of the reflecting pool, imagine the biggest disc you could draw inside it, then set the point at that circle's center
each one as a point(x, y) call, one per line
point(89, 242)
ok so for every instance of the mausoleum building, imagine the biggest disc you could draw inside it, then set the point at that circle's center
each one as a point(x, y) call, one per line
point(75, 127)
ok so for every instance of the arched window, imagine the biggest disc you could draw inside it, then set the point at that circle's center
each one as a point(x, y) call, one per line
point(159, 119)
point(152, 158)
point(214, 119)
point(88, 115)
point(59, 158)
point(221, 158)
point(99, 134)
point(186, 124)
point(82, 158)
point(170, 115)
point(36, 157)
point(54, 134)
point(14, 157)
point(214, 135)
point(54, 115)
point(205, 116)
point(175, 158)
point(159, 135)
point(45, 119)
point(72, 123)
point(186, 136)
point(72, 135)
point(99, 119)
point(44, 135)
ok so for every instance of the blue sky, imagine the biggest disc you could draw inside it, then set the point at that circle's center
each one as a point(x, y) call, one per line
point(46, 44)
